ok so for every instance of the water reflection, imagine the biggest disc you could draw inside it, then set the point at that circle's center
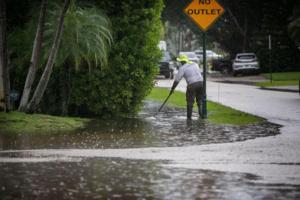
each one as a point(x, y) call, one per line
point(150, 129)
point(130, 179)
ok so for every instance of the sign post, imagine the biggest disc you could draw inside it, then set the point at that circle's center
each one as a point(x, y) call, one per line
point(270, 58)
point(204, 103)
point(204, 13)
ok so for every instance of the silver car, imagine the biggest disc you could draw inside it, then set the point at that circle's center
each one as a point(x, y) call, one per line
point(191, 55)
point(245, 63)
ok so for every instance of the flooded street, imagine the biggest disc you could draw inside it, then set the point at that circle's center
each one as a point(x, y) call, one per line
point(165, 129)
point(130, 179)
point(137, 158)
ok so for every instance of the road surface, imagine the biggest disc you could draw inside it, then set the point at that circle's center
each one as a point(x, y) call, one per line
point(275, 158)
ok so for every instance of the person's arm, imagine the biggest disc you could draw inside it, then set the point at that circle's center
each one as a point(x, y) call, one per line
point(174, 86)
point(177, 79)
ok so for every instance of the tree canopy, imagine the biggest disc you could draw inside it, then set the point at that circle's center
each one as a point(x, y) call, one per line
point(245, 26)
point(87, 78)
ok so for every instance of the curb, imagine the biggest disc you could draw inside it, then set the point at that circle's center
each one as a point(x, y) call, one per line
point(263, 88)
point(235, 82)
point(281, 89)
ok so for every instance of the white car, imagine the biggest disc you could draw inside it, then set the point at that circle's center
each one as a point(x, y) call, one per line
point(191, 55)
point(210, 55)
point(245, 63)
point(162, 45)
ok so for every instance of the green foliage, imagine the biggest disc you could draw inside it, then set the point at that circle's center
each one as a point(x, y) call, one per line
point(217, 113)
point(120, 88)
point(285, 55)
point(86, 36)
point(86, 40)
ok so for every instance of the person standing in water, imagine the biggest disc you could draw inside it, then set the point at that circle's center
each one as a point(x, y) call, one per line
point(191, 73)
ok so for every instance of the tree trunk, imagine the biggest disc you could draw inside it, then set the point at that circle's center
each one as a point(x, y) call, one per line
point(4, 72)
point(36, 52)
point(2, 67)
point(245, 35)
point(39, 91)
point(243, 31)
point(64, 88)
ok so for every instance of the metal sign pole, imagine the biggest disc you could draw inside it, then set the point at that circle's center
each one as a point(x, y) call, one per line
point(204, 103)
point(270, 58)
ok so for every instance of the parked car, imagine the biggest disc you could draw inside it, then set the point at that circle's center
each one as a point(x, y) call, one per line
point(245, 63)
point(166, 65)
point(210, 55)
point(191, 55)
point(162, 45)
point(223, 65)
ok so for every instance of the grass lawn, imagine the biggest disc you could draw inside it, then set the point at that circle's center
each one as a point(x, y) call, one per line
point(16, 122)
point(281, 79)
point(217, 113)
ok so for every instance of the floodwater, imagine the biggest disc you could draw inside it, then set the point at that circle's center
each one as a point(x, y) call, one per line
point(24, 176)
point(130, 179)
point(168, 128)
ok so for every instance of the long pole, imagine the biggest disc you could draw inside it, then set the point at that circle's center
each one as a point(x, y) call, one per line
point(204, 106)
point(164, 102)
point(270, 58)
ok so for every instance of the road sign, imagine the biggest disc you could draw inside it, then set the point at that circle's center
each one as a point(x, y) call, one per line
point(204, 12)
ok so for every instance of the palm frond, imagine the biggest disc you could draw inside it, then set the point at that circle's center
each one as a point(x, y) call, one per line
point(87, 36)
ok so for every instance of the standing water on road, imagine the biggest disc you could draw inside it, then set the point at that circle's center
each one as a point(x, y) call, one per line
point(165, 129)
point(25, 175)
point(130, 179)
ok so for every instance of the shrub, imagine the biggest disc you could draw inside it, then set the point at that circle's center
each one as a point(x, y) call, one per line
point(115, 89)
point(132, 66)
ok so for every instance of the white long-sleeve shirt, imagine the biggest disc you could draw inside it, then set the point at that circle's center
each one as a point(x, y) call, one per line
point(190, 72)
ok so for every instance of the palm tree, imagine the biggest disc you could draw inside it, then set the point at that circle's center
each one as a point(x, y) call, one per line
point(36, 52)
point(41, 87)
point(87, 38)
point(4, 73)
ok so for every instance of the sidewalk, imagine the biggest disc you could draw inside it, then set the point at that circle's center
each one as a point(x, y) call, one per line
point(249, 80)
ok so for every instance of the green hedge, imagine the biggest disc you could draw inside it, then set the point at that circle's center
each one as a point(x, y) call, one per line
point(115, 90)
point(120, 88)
